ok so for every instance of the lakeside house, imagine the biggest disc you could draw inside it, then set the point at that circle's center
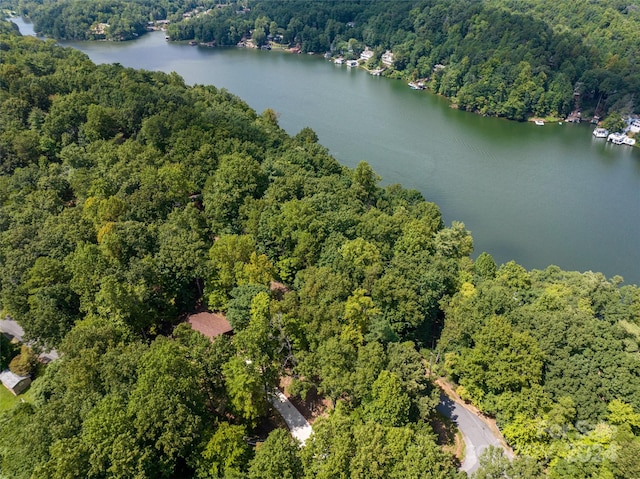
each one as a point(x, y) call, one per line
point(634, 125)
point(157, 25)
point(100, 29)
point(367, 54)
point(387, 58)
point(13, 382)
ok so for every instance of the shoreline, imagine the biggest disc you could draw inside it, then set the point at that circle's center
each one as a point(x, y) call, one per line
point(296, 51)
point(272, 46)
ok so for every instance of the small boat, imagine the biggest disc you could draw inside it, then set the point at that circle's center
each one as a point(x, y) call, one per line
point(600, 133)
point(539, 122)
point(416, 86)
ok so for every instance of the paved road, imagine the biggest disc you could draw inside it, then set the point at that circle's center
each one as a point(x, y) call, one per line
point(9, 326)
point(477, 434)
point(298, 425)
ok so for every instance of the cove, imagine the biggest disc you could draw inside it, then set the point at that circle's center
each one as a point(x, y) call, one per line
point(539, 195)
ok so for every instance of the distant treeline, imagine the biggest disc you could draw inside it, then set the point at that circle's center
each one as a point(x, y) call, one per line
point(95, 20)
point(505, 58)
point(511, 59)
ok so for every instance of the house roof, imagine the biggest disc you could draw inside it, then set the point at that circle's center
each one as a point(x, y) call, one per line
point(10, 379)
point(210, 324)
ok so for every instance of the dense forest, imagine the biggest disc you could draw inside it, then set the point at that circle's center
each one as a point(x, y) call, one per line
point(113, 19)
point(513, 59)
point(128, 200)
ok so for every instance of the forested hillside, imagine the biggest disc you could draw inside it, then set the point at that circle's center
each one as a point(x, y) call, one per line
point(128, 199)
point(505, 58)
point(91, 20)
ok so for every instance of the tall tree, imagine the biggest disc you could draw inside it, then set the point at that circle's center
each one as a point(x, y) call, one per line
point(276, 458)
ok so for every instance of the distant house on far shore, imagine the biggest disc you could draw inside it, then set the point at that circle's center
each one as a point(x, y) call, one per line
point(387, 58)
point(210, 324)
point(367, 54)
point(14, 383)
point(100, 29)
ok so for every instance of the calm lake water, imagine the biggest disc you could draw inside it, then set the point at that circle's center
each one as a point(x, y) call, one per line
point(538, 195)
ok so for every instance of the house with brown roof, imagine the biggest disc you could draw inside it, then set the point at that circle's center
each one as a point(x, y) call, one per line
point(210, 324)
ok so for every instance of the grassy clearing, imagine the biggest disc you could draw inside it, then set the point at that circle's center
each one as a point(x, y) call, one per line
point(8, 400)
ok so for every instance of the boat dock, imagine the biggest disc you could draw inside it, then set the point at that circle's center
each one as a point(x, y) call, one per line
point(621, 139)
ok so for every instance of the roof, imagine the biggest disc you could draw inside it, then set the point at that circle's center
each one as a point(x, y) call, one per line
point(278, 289)
point(210, 324)
point(10, 379)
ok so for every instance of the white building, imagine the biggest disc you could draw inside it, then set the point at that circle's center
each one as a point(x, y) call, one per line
point(387, 58)
point(14, 383)
point(367, 54)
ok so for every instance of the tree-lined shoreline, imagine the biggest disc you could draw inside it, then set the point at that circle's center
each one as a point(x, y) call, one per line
point(499, 58)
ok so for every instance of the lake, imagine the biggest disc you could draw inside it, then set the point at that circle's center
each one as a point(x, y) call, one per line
point(539, 195)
